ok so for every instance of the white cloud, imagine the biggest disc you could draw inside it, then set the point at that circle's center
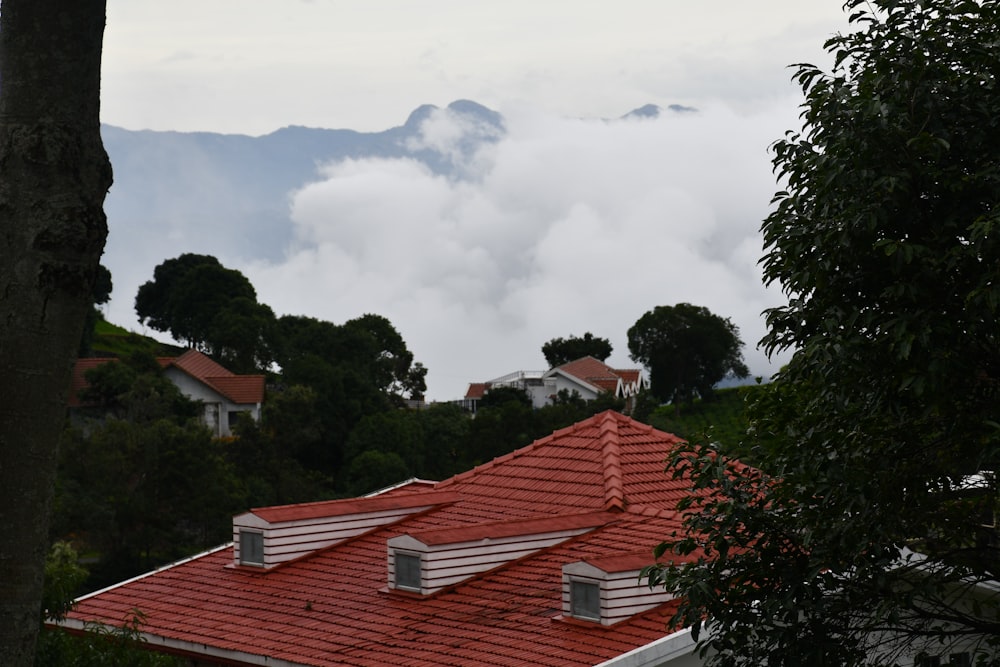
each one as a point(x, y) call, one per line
point(561, 227)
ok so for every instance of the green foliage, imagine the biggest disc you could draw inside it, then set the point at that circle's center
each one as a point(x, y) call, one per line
point(101, 646)
point(63, 578)
point(559, 351)
point(432, 443)
point(722, 421)
point(209, 307)
point(135, 389)
point(687, 349)
point(497, 396)
point(110, 340)
point(98, 646)
point(881, 432)
point(268, 456)
point(143, 493)
point(374, 469)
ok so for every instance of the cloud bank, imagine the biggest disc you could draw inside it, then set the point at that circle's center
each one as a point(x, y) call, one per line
point(559, 227)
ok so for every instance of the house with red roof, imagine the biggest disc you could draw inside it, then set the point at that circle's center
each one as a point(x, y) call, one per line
point(224, 394)
point(531, 559)
point(588, 377)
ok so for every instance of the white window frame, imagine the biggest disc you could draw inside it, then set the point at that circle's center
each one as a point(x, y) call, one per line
point(577, 609)
point(258, 538)
point(406, 555)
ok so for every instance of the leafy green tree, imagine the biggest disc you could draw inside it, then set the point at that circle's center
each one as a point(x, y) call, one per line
point(210, 307)
point(390, 362)
point(445, 428)
point(144, 483)
point(879, 439)
point(687, 349)
point(241, 335)
point(559, 351)
point(374, 469)
point(395, 432)
point(98, 646)
point(498, 396)
point(135, 389)
point(155, 302)
point(54, 175)
point(63, 578)
point(267, 456)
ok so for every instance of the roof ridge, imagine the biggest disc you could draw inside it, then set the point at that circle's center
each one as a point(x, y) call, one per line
point(614, 491)
point(523, 451)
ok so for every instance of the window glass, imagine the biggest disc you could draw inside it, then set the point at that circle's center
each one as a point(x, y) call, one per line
point(585, 599)
point(407, 571)
point(251, 548)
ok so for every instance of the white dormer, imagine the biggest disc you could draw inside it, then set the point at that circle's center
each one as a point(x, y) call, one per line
point(269, 536)
point(425, 562)
point(608, 590)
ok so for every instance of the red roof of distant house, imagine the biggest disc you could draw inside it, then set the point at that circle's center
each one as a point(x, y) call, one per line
point(599, 374)
point(239, 389)
point(78, 381)
point(476, 390)
point(603, 476)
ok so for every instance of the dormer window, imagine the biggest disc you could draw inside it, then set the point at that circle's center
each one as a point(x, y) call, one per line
point(407, 571)
point(585, 599)
point(608, 590)
point(251, 547)
point(431, 560)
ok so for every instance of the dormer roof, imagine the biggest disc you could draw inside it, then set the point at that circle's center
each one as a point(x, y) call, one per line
point(591, 492)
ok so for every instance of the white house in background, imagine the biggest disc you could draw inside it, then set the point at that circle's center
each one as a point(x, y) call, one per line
point(588, 377)
point(224, 394)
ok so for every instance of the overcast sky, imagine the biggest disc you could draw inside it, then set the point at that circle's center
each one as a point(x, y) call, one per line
point(569, 224)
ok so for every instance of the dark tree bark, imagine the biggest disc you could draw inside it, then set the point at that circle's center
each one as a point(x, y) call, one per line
point(54, 174)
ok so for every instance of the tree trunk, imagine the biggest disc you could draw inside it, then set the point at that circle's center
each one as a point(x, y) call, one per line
point(54, 174)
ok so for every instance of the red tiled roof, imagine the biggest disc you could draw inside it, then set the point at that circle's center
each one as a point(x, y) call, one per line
point(240, 389)
point(199, 365)
point(78, 381)
point(590, 369)
point(331, 508)
point(331, 607)
point(598, 374)
point(476, 390)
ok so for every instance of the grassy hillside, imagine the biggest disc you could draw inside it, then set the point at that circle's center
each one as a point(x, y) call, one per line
point(111, 340)
point(720, 420)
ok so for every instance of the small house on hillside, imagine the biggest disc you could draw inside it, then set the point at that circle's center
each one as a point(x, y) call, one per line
point(223, 394)
point(588, 377)
point(531, 559)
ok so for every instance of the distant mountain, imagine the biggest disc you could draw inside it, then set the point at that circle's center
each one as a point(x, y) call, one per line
point(654, 111)
point(229, 195)
point(205, 190)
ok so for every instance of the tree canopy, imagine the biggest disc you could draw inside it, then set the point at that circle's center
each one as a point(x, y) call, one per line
point(210, 307)
point(559, 351)
point(871, 524)
point(687, 349)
